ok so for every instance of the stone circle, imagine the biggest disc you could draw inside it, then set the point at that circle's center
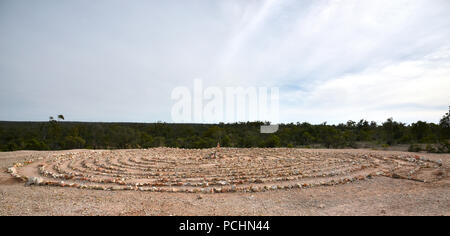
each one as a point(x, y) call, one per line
point(216, 170)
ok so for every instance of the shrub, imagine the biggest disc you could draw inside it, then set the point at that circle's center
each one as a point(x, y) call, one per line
point(414, 148)
point(430, 148)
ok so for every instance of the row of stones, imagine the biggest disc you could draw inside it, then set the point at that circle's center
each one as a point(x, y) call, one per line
point(29, 180)
point(261, 172)
point(179, 182)
point(138, 186)
point(232, 188)
point(101, 167)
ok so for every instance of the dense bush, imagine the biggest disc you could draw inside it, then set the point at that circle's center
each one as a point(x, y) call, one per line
point(57, 135)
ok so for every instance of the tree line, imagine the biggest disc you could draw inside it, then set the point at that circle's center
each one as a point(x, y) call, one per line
point(57, 134)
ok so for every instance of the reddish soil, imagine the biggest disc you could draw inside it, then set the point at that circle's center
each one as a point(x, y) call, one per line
point(427, 192)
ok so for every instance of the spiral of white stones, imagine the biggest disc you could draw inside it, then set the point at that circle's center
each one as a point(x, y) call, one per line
point(212, 170)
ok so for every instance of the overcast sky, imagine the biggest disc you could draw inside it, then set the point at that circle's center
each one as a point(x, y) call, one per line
point(119, 60)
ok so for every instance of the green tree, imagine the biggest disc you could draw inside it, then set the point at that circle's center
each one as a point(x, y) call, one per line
point(444, 125)
point(272, 141)
point(71, 142)
point(421, 131)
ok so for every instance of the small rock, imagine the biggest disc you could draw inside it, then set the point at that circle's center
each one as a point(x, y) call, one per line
point(11, 170)
point(396, 176)
point(35, 181)
point(233, 188)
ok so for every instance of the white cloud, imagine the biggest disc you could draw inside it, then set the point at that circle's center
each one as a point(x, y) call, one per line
point(112, 61)
point(408, 90)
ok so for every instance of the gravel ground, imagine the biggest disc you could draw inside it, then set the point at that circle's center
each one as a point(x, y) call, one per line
point(377, 196)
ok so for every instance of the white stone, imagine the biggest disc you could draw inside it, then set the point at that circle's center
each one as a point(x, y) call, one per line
point(35, 181)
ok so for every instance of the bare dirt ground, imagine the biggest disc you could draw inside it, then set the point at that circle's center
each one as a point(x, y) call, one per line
point(381, 191)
